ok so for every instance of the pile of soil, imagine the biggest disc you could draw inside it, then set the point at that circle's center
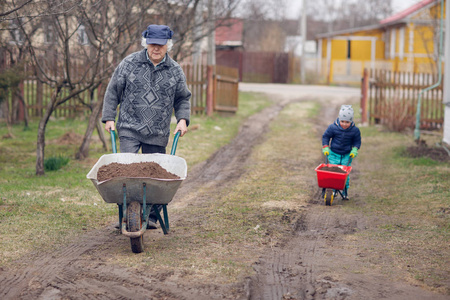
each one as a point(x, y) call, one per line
point(435, 153)
point(69, 138)
point(333, 169)
point(143, 169)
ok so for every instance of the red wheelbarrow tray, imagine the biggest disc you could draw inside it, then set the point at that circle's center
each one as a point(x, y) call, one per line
point(332, 180)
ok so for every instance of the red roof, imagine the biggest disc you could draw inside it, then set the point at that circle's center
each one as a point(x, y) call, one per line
point(229, 31)
point(407, 12)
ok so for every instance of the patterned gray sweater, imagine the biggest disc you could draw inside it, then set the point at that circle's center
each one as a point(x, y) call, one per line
point(147, 97)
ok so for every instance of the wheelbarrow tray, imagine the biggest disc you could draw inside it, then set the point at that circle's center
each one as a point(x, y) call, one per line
point(158, 191)
point(332, 180)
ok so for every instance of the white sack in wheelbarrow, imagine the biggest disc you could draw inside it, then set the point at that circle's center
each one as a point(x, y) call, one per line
point(158, 191)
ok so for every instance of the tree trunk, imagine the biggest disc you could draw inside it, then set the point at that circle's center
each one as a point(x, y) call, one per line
point(40, 144)
point(83, 152)
point(101, 134)
point(25, 109)
point(5, 110)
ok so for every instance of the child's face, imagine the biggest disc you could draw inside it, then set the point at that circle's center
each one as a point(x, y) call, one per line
point(344, 124)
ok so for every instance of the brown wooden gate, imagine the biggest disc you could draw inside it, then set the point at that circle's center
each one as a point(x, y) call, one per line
point(226, 87)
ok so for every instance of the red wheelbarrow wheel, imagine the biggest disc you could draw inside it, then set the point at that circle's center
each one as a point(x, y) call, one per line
point(134, 224)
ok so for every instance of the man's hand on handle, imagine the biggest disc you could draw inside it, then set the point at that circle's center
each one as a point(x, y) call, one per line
point(109, 125)
point(181, 127)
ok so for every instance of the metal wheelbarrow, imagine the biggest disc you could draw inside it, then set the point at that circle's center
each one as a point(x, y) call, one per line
point(332, 183)
point(136, 196)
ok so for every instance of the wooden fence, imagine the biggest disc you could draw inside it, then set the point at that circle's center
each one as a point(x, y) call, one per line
point(262, 67)
point(226, 83)
point(197, 82)
point(36, 95)
point(395, 95)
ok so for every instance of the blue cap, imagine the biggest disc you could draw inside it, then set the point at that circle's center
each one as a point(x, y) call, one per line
point(157, 34)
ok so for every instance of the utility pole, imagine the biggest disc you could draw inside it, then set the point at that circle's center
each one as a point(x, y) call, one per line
point(212, 34)
point(446, 100)
point(303, 32)
point(211, 59)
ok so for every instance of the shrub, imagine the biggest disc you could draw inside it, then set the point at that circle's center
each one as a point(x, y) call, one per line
point(55, 163)
point(398, 113)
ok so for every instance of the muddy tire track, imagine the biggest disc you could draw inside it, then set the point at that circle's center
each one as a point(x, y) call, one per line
point(315, 262)
point(79, 271)
point(311, 264)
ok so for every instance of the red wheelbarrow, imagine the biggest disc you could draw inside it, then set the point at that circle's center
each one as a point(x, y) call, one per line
point(332, 182)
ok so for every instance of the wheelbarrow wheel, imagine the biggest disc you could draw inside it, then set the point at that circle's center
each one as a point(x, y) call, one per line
point(328, 197)
point(134, 224)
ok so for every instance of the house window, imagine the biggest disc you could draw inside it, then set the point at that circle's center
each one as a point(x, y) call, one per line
point(82, 35)
point(17, 35)
point(49, 34)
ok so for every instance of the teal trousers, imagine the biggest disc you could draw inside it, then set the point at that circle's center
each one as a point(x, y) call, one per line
point(338, 159)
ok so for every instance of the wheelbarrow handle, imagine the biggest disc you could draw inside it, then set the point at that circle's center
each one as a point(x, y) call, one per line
point(113, 140)
point(175, 143)
point(348, 163)
point(172, 152)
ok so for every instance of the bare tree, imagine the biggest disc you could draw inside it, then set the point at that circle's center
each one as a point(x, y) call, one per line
point(349, 14)
point(74, 58)
point(7, 9)
point(263, 9)
point(85, 40)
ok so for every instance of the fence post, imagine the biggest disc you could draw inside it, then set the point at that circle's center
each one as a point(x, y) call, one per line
point(364, 92)
point(20, 105)
point(39, 99)
point(210, 91)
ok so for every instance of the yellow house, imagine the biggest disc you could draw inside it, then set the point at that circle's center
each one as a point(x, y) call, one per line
point(407, 41)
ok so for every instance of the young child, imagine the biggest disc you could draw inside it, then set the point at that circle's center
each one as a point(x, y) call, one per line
point(345, 141)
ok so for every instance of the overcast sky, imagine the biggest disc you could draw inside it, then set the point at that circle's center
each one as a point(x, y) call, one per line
point(295, 5)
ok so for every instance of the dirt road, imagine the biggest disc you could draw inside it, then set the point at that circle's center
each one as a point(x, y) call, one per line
point(311, 264)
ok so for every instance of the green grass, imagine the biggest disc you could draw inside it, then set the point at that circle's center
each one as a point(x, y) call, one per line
point(407, 197)
point(50, 210)
point(207, 134)
point(236, 223)
point(405, 201)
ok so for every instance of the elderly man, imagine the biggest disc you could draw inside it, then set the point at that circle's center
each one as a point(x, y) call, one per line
point(148, 85)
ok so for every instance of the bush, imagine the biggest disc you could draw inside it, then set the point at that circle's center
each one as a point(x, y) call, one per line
point(55, 163)
point(398, 113)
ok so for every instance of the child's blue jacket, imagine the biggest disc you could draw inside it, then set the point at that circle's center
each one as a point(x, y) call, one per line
point(342, 140)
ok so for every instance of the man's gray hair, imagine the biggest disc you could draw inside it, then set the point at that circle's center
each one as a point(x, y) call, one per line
point(169, 43)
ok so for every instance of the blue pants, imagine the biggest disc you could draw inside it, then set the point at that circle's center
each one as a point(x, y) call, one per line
point(338, 159)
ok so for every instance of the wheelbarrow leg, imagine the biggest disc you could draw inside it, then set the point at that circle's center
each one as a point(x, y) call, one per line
point(166, 217)
point(162, 222)
point(120, 216)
